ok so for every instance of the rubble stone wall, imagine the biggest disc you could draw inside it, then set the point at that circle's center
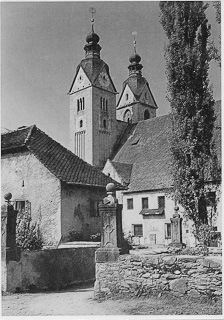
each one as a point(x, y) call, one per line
point(137, 275)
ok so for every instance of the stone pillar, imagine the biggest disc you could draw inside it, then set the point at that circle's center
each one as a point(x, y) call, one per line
point(176, 229)
point(111, 237)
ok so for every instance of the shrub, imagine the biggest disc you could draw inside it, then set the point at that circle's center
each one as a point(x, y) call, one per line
point(28, 236)
point(74, 235)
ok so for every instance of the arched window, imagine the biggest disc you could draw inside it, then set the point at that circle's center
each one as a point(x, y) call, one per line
point(80, 103)
point(81, 123)
point(104, 123)
point(146, 115)
point(78, 108)
point(101, 103)
point(127, 116)
point(106, 105)
point(83, 104)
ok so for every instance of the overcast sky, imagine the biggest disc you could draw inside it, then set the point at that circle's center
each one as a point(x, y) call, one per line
point(42, 44)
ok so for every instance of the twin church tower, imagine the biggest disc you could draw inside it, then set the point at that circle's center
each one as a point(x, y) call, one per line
point(96, 121)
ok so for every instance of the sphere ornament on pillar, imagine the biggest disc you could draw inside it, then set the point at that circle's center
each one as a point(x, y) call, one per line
point(8, 196)
point(176, 214)
point(110, 199)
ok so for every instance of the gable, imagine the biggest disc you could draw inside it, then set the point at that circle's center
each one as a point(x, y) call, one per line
point(147, 97)
point(104, 80)
point(81, 81)
point(127, 97)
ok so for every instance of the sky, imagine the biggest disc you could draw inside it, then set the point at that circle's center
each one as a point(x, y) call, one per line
point(42, 44)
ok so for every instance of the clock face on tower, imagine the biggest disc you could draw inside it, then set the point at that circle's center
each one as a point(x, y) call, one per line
point(104, 79)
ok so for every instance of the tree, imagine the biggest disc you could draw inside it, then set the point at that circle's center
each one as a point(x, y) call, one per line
point(190, 97)
point(215, 53)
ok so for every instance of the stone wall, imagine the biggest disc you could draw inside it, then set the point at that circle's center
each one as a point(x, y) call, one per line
point(50, 269)
point(142, 275)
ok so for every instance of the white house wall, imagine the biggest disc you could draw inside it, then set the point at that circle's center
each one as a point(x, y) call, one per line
point(26, 178)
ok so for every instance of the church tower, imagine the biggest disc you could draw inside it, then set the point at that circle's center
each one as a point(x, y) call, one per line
point(92, 106)
point(136, 102)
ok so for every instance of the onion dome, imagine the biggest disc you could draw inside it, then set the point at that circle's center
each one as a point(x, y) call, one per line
point(135, 58)
point(92, 37)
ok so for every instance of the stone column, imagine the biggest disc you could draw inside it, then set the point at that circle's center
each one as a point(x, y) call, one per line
point(109, 252)
point(176, 229)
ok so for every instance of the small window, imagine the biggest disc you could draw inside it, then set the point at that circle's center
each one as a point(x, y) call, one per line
point(145, 203)
point(126, 96)
point(168, 230)
point(20, 206)
point(130, 204)
point(81, 123)
point(94, 208)
point(83, 103)
point(78, 108)
point(146, 115)
point(104, 123)
point(106, 105)
point(146, 96)
point(101, 103)
point(138, 230)
point(161, 202)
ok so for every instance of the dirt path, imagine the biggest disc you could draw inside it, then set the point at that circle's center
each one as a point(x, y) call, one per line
point(73, 302)
point(80, 301)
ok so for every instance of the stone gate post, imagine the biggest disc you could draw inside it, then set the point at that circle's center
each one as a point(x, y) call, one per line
point(111, 235)
point(176, 229)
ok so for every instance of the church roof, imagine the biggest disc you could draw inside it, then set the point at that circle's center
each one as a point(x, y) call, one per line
point(123, 170)
point(92, 68)
point(61, 162)
point(147, 148)
point(137, 84)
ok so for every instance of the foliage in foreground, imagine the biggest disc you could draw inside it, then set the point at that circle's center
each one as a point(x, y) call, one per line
point(27, 233)
point(192, 113)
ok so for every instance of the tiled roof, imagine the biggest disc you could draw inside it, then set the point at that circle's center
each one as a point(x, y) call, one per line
point(65, 165)
point(147, 147)
point(92, 68)
point(137, 84)
point(123, 170)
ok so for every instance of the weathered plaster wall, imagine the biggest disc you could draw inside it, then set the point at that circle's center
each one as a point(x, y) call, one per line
point(51, 269)
point(77, 207)
point(27, 179)
point(141, 275)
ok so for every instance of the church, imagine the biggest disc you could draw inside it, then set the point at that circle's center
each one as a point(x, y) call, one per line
point(129, 143)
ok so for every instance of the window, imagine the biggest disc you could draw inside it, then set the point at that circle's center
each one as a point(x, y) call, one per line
point(104, 123)
point(161, 202)
point(20, 205)
point(168, 230)
point(83, 103)
point(101, 103)
point(126, 96)
point(106, 105)
point(78, 108)
point(81, 123)
point(146, 115)
point(94, 208)
point(145, 203)
point(130, 204)
point(146, 95)
point(127, 116)
point(138, 231)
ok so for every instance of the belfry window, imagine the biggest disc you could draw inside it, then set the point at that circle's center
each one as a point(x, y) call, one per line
point(146, 115)
point(106, 106)
point(83, 103)
point(81, 123)
point(78, 108)
point(104, 123)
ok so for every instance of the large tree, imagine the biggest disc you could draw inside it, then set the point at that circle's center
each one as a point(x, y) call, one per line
point(191, 100)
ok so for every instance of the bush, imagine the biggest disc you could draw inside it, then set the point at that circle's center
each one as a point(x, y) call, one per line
point(74, 235)
point(95, 237)
point(27, 234)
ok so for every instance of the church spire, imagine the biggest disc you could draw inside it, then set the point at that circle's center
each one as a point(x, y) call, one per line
point(135, 67)
point(92, 47)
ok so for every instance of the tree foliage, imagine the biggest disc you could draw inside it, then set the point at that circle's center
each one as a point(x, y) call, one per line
point(190, 96)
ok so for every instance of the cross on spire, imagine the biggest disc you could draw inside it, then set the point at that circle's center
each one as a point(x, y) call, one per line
point(134, 33)
point(92, 11)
